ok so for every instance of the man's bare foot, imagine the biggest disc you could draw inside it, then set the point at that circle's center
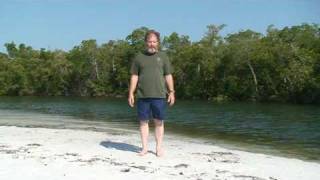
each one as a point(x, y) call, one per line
point(159, 152)
point(143, 152)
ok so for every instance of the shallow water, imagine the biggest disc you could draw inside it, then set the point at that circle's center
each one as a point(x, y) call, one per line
point(282, 129)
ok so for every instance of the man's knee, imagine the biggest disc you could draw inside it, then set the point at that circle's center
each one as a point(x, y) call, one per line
point(158, 122)
point(144, 123)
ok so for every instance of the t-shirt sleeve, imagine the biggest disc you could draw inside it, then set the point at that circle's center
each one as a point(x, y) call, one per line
point(134, 67)
point(168, 69)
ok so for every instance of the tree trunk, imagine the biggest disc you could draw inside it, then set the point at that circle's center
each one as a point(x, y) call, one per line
point(96, 68)
point(254, 77)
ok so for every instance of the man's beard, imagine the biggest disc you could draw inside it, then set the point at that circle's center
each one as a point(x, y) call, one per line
point(152, 50)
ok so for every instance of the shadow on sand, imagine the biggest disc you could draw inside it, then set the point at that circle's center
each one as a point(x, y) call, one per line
point(120, 146)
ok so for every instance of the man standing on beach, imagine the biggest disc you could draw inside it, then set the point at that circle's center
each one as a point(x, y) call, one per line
point(151, 74)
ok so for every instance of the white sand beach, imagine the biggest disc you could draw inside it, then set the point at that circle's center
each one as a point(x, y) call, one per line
point(65, 154)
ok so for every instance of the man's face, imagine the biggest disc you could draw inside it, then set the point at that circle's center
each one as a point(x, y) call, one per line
point(152, 44)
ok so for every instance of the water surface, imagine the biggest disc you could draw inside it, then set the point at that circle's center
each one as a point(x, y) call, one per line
point(282, 129)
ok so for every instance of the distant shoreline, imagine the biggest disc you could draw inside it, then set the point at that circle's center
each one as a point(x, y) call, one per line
point(121, 96)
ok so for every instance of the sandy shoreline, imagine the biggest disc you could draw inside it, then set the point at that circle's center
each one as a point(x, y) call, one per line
point(41, 153)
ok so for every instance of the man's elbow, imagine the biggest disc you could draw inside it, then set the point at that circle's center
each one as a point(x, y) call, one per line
point(169, 78)
point(135, 76)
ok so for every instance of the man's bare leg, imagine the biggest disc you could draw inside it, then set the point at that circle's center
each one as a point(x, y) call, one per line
point(144, 132)
point(159, 131)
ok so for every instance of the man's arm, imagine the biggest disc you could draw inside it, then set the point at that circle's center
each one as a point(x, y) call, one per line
point(170, 85)
point(132, 88)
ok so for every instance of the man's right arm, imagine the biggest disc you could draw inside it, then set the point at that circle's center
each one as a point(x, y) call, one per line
point(132, 88)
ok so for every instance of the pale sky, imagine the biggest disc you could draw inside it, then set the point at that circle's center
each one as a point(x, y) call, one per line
point(62, 24)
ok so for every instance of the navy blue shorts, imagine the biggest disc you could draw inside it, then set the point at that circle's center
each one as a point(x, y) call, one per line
point(149, 108)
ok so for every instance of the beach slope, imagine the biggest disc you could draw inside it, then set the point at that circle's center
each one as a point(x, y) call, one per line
point(64, 154)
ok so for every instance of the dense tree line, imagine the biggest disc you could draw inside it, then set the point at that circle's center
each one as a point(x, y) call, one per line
point(280, 65)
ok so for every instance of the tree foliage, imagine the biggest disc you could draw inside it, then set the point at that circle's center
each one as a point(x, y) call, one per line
point(282, 65)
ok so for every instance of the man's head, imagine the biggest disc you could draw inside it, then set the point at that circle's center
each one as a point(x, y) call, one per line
point(152, 39)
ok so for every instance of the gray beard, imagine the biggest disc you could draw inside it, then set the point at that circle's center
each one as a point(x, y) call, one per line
point(152, 50)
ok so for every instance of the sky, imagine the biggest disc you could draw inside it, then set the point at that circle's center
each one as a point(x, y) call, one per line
point(63, 24)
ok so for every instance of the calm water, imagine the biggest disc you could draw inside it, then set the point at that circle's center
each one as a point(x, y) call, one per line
point(282, 129)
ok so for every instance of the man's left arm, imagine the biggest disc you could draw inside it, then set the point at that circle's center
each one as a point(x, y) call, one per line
point(170, 86)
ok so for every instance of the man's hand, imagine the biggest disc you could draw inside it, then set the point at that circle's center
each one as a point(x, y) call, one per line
point(171, 98)
point(131, 100)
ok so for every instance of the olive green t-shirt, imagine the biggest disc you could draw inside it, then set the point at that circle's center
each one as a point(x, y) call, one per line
point(151, 70)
